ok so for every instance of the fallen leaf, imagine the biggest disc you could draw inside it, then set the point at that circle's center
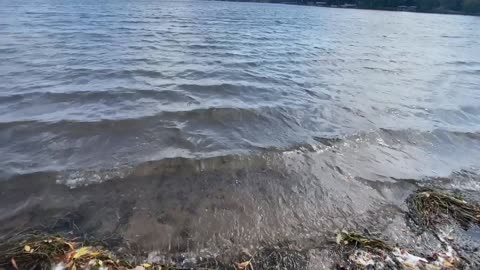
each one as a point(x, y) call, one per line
point(14, 263)
point(27, 248)
point(243, 265)
point(95, 254)
point(68, 258)
point(447, 264)
point(81, 252)
point(146, 265)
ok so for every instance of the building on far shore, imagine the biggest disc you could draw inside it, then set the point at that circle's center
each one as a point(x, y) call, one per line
point(321, 3)
point(407, 8)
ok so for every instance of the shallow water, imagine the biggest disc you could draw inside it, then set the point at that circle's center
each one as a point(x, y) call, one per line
point(186, 125)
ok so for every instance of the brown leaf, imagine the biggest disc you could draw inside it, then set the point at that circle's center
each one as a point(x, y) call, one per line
point(68, 258)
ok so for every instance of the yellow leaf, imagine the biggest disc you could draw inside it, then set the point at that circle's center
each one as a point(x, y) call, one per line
point(81, 252)
point(95, 254)
point(100, 262)
point(27, 248)
point(146, 265)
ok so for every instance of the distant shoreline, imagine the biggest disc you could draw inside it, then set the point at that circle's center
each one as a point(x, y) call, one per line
point(349, 6)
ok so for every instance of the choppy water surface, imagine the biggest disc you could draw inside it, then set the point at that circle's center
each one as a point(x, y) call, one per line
point(223, 123)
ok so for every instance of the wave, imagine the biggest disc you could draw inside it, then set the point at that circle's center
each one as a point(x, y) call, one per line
point(400, 145)
point(209, 114)
point(463, 63)
point(121, 93)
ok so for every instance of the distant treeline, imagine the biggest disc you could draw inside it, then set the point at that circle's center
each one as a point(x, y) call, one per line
point(467, 6)
point(440, 6)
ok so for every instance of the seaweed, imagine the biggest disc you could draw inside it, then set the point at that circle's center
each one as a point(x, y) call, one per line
point(360, 241)
point(429, 208)
point(39, 251)
point(35, 253)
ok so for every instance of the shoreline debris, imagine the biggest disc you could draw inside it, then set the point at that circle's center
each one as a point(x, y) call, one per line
point(38, 251)
point(370, 253)
point(360, 241)
point(429, 208)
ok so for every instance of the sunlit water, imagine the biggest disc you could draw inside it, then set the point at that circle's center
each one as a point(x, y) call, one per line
point(191, 124)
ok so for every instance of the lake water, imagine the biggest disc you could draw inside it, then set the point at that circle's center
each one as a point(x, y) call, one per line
point(227, 123)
